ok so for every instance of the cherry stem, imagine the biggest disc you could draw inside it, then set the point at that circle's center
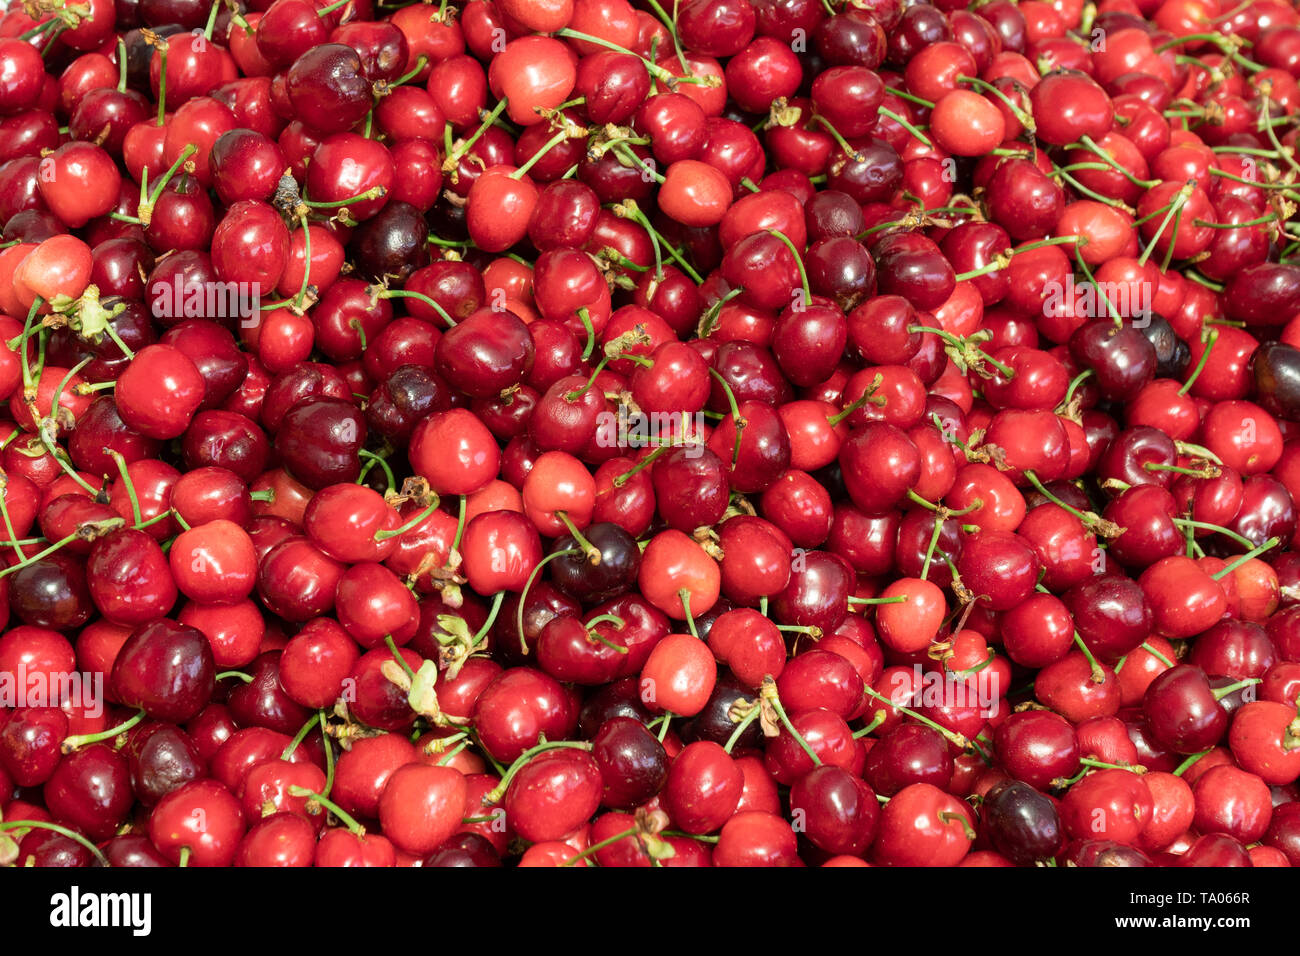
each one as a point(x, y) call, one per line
point(493, 612)
point(621, 480)
point(906, 124)
point(1223, 692)
point(551, 143)
point(965, 345)
point(409, 294)
point(812, 630)
point(301, 735)
point(849, 151)
point(912, 98)
point(163, 48)
point(371, 460)
point(929, 551)
point(240, 675)
point(1156, 654)
point(375, 192)
point(735, 413)
point(82, 740)
point(876, 721)
point(897, 599)
point(409, 526)
point(951, 736)
point(664, 721)
point(685, 595)
point(306, 263)
point(21, 343)
point(454, 155)
point(1206, 526)
point(1189, 762)
point(405, 78)
point(322, 11)
point(523, 596)
point(1242, 559)
point(329, 754)
point(1019, 112)
point(1103, 765)
point(1176, 469)
point(867, 397)
point(212, 19)
point(590, 550)
point(460, 522)
point(496, 793)
point(597, 847)
point(121, 65)
point(745, 721)
point(62, 542)
point(319, 798)
point(654, 69)
point(1172, 211)
point(146, 208)
point(769, 693)
point(948, 816)
point(1098, 675)
point(62, 831)
point(592, 634)
point(798, 261)
point(1087, 274)
point(9, 527)
point(1211, 337)
point(585, 317)
point(628, 209)
point(1034, 480)
point(397, 656)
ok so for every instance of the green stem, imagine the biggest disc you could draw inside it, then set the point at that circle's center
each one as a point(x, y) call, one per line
point(409, 526)
point(1242, 559)
point(346, 818)
point(300, 736)
point(61, 830)
point(1211, 338)
point(798, 261)
point(907, 125)
point(82, 740)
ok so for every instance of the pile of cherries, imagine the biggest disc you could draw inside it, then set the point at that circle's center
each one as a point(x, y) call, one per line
point(649, 433)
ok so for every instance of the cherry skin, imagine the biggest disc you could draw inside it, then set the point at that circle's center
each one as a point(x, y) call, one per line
point(207, 838)
point(421, 806)
point(703, 788)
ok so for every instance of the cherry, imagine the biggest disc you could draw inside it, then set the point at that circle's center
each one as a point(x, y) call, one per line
point(1232, 801)
point(30, 744)
point(162, 758)
point(633, 765)
point(520, 705)
point(923, 826)
point(999, 568)
point(421, 806)
point(703, 787)
point(1021, 823)
point(200, 822)
point(1183, 711)
point(154, 412)
point(129, 578)
point(166, 669)
point(1037, 747)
